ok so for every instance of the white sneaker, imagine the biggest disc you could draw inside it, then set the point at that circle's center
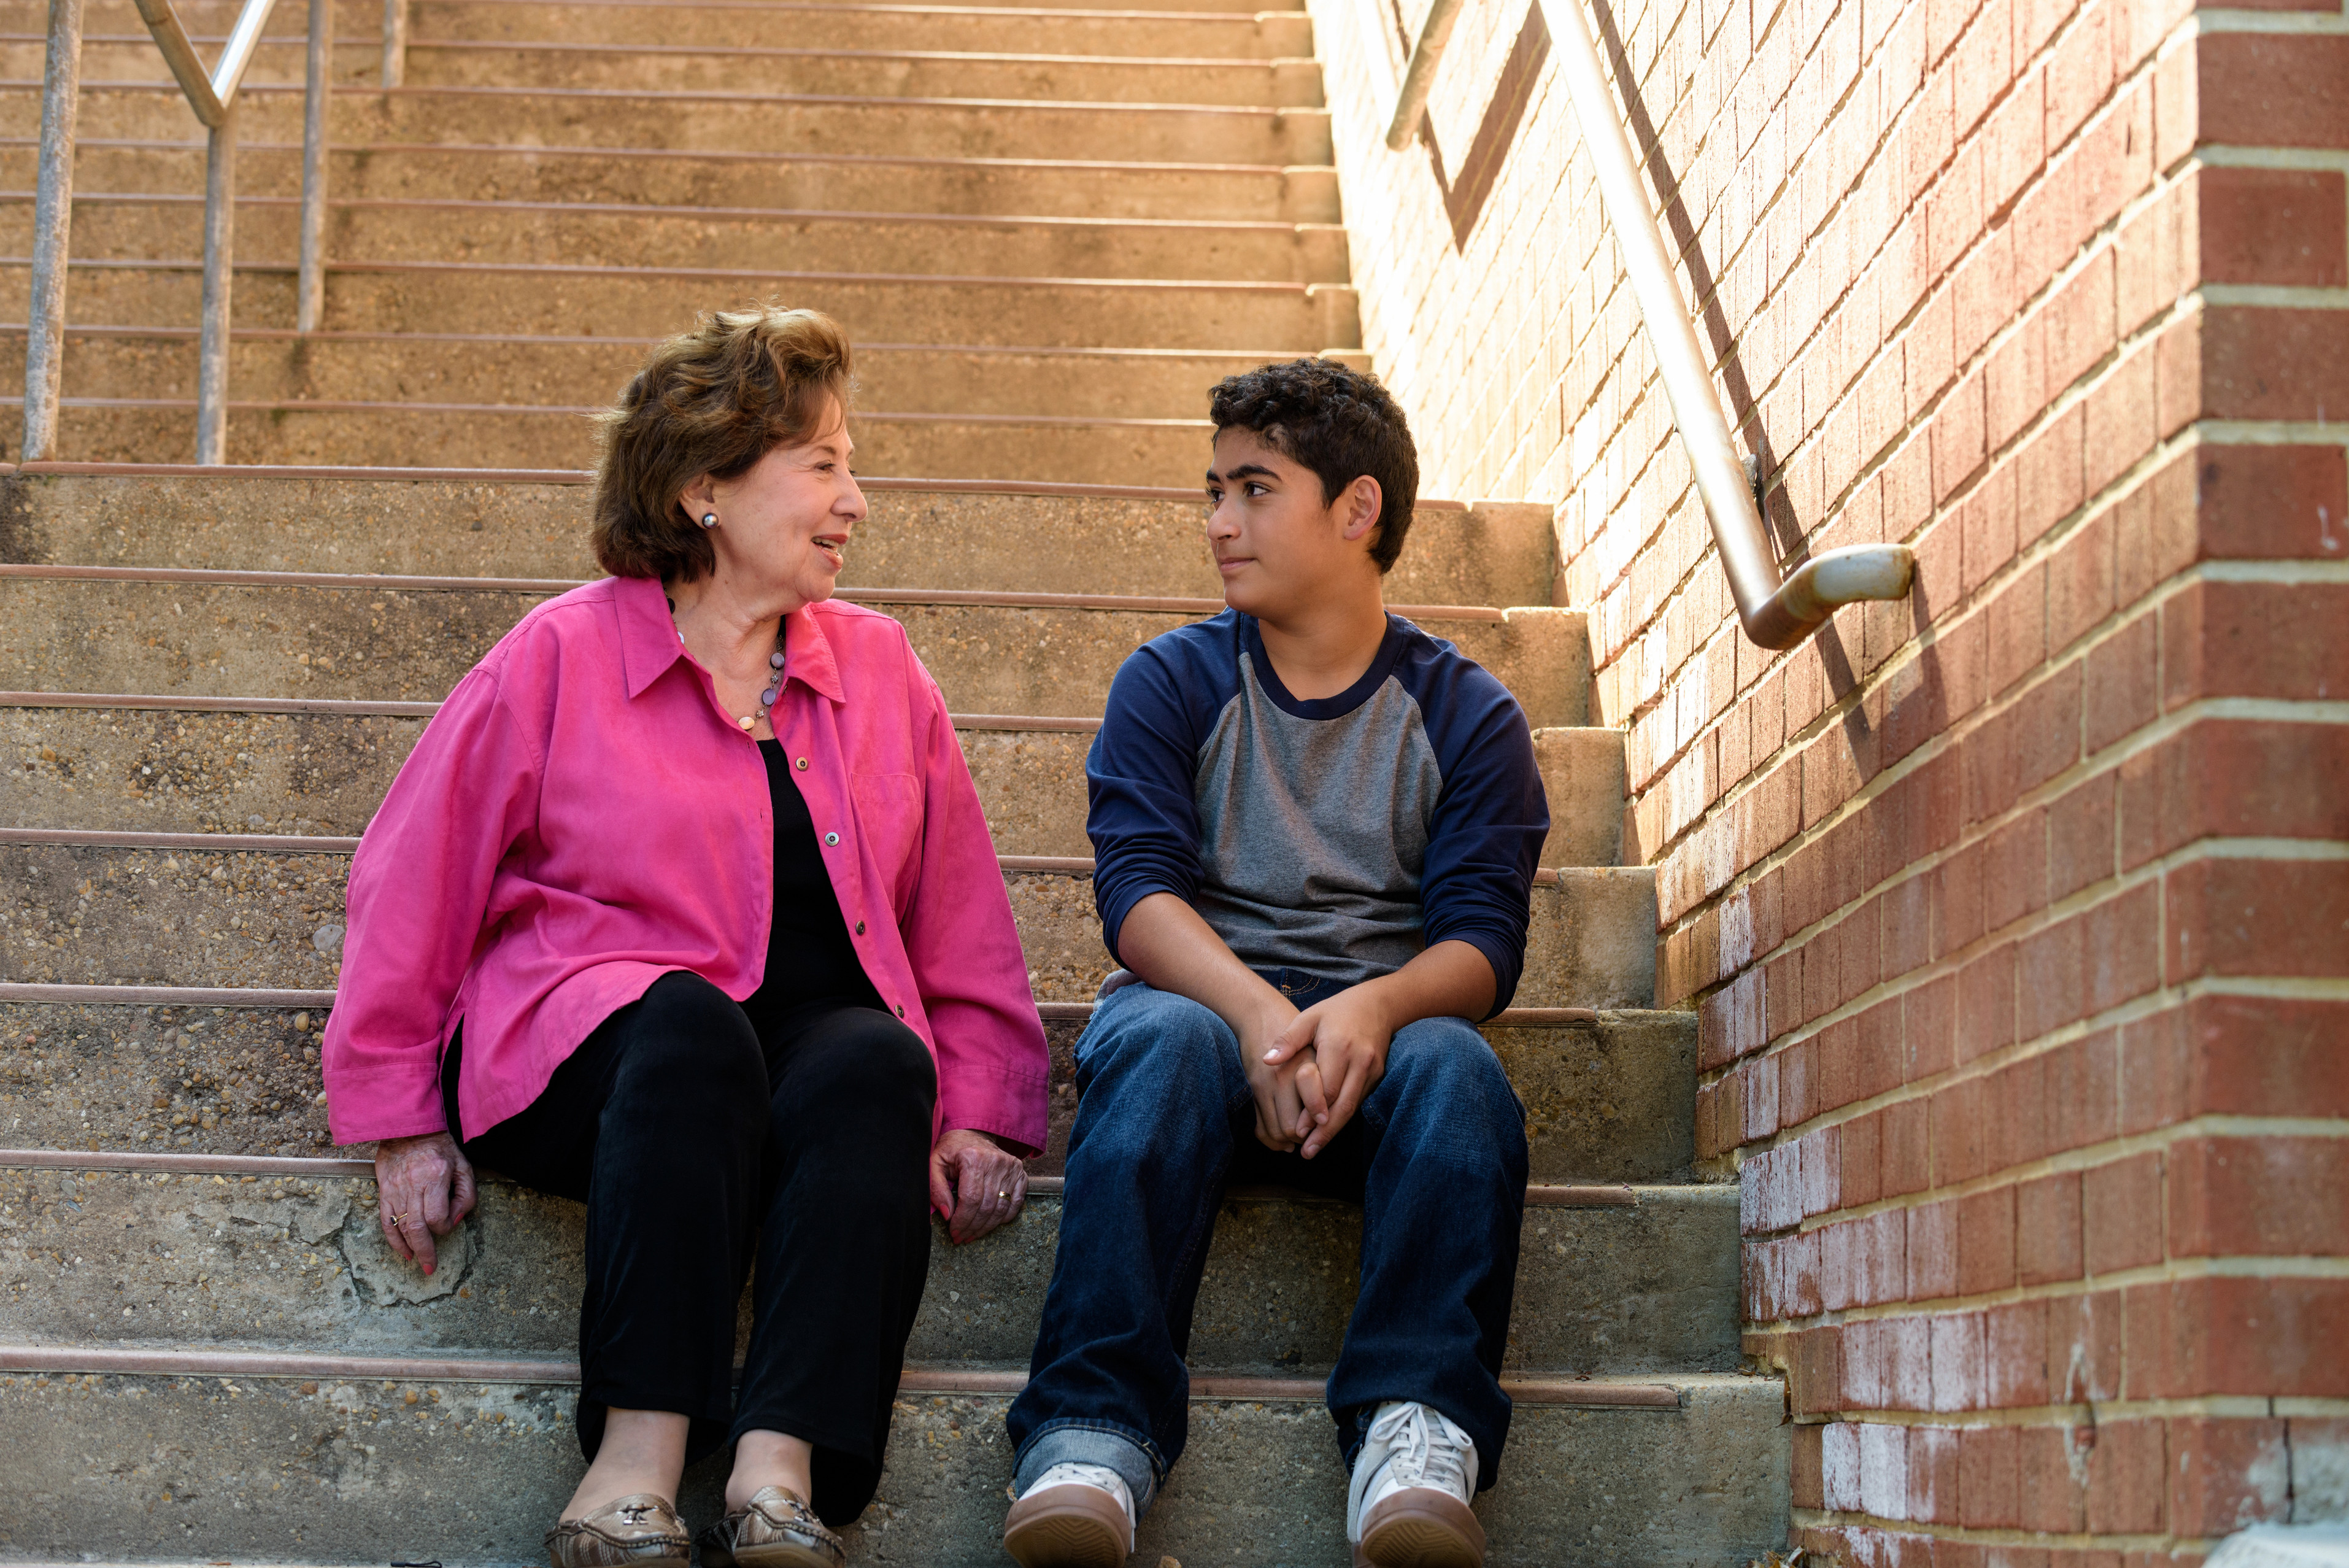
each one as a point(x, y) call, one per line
point(1408, 1507)
point(1076, 1516)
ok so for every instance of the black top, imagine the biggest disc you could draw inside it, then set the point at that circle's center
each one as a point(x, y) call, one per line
point(811, 957)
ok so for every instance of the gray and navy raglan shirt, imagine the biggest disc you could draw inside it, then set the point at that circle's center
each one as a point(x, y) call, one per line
point(1339, 835)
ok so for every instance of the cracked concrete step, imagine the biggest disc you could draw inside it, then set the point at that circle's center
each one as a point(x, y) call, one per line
point(325, 772)
point(718, 121)
point(268, 912)
point(1004, 539)
point(871, 70)
point(654, 301)
point(1047, 187)
point(372, 642)
point(277, 366)
point(1610, 1097)
point(147, 226)
point(1024, 29)
point(329, 1461)
point(1612, 1280)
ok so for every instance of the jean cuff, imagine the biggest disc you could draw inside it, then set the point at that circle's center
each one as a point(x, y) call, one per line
point(1075, 1440)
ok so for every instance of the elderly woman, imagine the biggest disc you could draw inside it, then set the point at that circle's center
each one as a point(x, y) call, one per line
point(684, 907)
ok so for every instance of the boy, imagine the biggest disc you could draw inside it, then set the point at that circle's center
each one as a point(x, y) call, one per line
point(1315, 829)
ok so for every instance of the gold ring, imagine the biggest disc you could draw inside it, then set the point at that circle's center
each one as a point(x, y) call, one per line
point(1003, 1192)
point(399, 1219)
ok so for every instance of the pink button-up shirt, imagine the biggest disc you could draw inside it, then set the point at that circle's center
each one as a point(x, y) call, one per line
point(581, 817)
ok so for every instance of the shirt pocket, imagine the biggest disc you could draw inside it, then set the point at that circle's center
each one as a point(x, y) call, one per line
point(889, 815)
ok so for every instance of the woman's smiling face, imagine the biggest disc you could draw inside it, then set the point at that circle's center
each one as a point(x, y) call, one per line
point(783, 524)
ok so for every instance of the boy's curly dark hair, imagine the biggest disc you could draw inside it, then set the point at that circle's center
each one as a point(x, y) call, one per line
point(1339, 422)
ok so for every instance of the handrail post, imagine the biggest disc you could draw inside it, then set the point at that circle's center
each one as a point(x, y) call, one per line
point(395, 42)
point(220, 247)
point(1419, 75)
point(310, 296)
point(1774, 614)
point(44, 336)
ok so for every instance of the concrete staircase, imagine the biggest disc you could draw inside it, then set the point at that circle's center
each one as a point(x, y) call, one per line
point(207, 680)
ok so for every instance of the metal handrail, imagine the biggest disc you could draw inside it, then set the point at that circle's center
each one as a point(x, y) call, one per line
point(1776, 613)
point(1419, 76)
point(213, 97)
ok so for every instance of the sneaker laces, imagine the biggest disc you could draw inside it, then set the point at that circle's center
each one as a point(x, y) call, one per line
point(1424, 1447)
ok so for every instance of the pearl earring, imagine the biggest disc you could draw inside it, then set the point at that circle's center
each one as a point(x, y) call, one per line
point(709, 520)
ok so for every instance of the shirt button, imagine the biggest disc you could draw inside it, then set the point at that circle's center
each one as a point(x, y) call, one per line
point(860, 927)
point(832, 838)
point(800, 764)
point(901, 1010)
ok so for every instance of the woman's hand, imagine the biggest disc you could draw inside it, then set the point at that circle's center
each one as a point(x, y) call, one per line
point(424, 1187)
point(976, 1182)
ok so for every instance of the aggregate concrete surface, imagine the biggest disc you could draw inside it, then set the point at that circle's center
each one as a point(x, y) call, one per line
point(1494, 554)
point(158, 1259)
point(352, 1471)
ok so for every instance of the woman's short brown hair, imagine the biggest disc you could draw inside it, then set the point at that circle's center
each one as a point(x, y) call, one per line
point(712, 400)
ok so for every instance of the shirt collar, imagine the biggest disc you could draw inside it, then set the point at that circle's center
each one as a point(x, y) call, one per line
point(649, 643)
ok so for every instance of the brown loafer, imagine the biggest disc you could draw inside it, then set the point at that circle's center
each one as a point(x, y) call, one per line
point(638, 1531)
point(777, 1531)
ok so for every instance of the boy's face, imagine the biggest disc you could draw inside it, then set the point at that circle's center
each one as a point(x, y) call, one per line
point(1277, 546)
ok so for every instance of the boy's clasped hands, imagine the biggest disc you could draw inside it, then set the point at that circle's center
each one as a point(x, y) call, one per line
point(1311, 1074)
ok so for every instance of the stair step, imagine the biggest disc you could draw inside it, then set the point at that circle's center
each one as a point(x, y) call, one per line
point(325, 772)
point(1062, 76)
point(1613, 1280)
point(1610, 1097)
point(343, 1468)
point(144, 226)
point(229, 634)
point(1156, 32)
point(1044, 186)
point(278, 367)
point(721, 122)
point(247, 910)
point(1280, 319)
point(1075, 450)
point(1000, 539)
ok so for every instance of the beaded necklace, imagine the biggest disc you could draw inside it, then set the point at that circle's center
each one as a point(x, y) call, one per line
point(774, 681)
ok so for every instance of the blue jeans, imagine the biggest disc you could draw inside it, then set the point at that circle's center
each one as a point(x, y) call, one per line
point(1436, 1157)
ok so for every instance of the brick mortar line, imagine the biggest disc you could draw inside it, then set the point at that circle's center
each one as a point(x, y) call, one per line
point(2273, 432)
point(2051, 913)
point(2024, 1540)
point(2087, 1156)
point(2241, 155)
point(2084, 1412)
point(2162, 998)
point(2271, 296)
point(2150, 1004)
point(2155, 733)
point(2221, 23)
point(2176, 1271)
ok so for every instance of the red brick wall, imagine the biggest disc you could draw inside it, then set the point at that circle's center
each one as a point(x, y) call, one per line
point(2016, 915)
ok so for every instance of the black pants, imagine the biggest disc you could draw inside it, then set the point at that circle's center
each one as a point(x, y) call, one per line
point(699, 1141)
